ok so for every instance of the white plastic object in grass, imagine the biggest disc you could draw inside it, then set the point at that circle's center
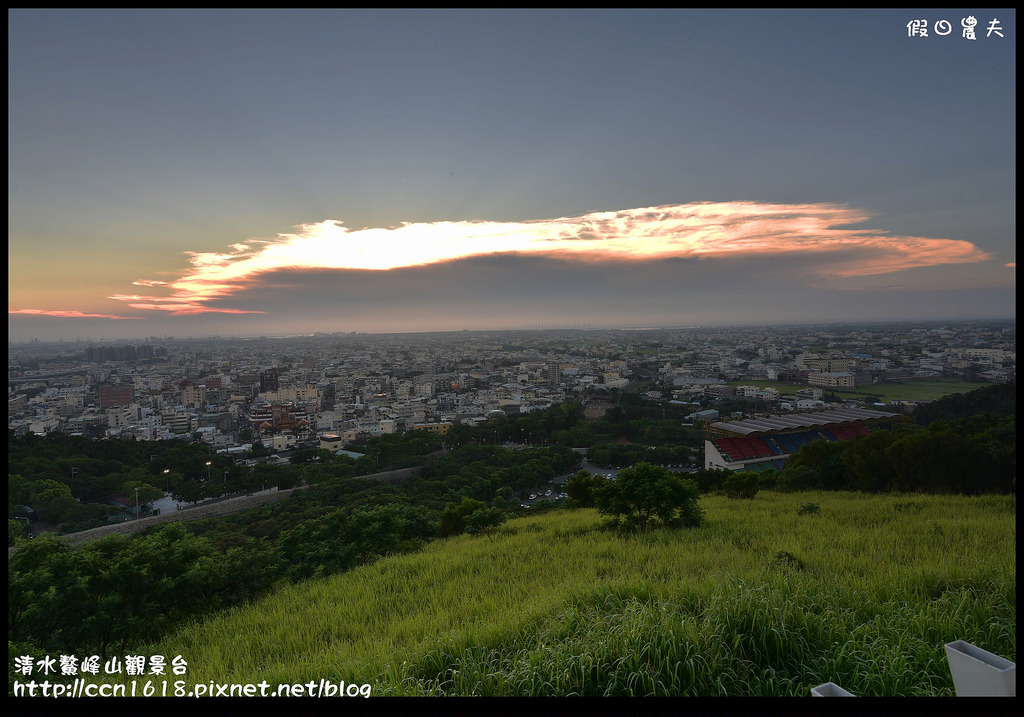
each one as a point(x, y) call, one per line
point(979, 673)
point(830, 689)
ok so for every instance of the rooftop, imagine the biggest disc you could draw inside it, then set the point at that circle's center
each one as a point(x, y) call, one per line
point(798, 421)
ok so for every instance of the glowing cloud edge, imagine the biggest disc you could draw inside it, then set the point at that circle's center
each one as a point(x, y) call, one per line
point(695, 230)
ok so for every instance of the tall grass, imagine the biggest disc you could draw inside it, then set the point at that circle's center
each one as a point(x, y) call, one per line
point(760, 601)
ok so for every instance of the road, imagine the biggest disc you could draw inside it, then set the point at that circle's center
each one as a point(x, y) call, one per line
point(204, 510)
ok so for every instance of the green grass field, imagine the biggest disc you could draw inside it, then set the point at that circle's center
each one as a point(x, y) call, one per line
point(912, 390)
point(908, 391)
point(760, 601)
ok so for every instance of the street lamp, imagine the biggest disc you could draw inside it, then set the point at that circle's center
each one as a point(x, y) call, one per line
point(225, 477)
point(207, 470)
point(167, 477)
point(138, 513)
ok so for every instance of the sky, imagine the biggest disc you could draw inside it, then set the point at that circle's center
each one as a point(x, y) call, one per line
point(272, 172)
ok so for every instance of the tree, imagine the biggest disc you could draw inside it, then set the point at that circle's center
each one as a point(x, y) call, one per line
point(645, 492)
point(710, 479)
point(943, 459)
point(146, 493)
point(385, 529)
point(581, 487)
point(797, 478)
point(302, 455)
point(17, 529)
point(505, 493)
point(485, 520)
point(743, 484)
point(453, 519)
point(867, 467)
point(824, 457)
point(51, 498)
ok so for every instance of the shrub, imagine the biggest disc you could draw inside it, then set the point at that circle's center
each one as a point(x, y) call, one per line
point(767, 480)
point(741, 485)
point(485, 520)
point(787, 561)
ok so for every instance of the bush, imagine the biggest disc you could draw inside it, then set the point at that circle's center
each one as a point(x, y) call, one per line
point(741, 485)
point(798, 478)
point(808, 509)
point(710, 480)
point(767, 480)
point(787, 561)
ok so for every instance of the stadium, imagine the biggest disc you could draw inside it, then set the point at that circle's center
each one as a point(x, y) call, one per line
point(759, 444)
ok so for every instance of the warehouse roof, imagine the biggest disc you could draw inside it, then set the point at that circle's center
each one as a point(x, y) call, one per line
point(797, 421)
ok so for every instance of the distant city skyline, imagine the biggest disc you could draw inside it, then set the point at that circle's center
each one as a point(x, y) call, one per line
point(585, 331)
point(274, 172)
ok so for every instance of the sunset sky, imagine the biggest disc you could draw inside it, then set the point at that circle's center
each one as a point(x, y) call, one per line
point(269, 172)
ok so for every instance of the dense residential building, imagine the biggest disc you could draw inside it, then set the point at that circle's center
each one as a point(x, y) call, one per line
point(359, 385)
point(111, 395)
point(269, 380)
point(832, 379)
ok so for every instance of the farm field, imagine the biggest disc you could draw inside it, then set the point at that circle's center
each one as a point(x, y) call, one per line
point(768, 598)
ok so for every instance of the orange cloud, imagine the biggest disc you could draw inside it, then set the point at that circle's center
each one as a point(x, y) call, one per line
point(69, 314)
point(176, 306)
point(703, 229)
point(183, 309)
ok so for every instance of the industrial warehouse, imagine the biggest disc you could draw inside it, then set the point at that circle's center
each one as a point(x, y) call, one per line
point(759, 444)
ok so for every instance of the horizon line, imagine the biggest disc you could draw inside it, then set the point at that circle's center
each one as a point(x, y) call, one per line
point(527, 329)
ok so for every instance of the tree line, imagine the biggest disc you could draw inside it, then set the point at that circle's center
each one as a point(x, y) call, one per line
point(969, 456)
point(120, 592)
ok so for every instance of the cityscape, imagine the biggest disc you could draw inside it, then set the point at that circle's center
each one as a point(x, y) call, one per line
point(291, 392)
point(510, 353)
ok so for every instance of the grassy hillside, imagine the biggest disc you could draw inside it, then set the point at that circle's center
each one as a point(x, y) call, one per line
point(766, 599)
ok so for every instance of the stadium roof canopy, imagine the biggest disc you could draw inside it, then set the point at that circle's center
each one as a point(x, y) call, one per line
point(799, 421)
